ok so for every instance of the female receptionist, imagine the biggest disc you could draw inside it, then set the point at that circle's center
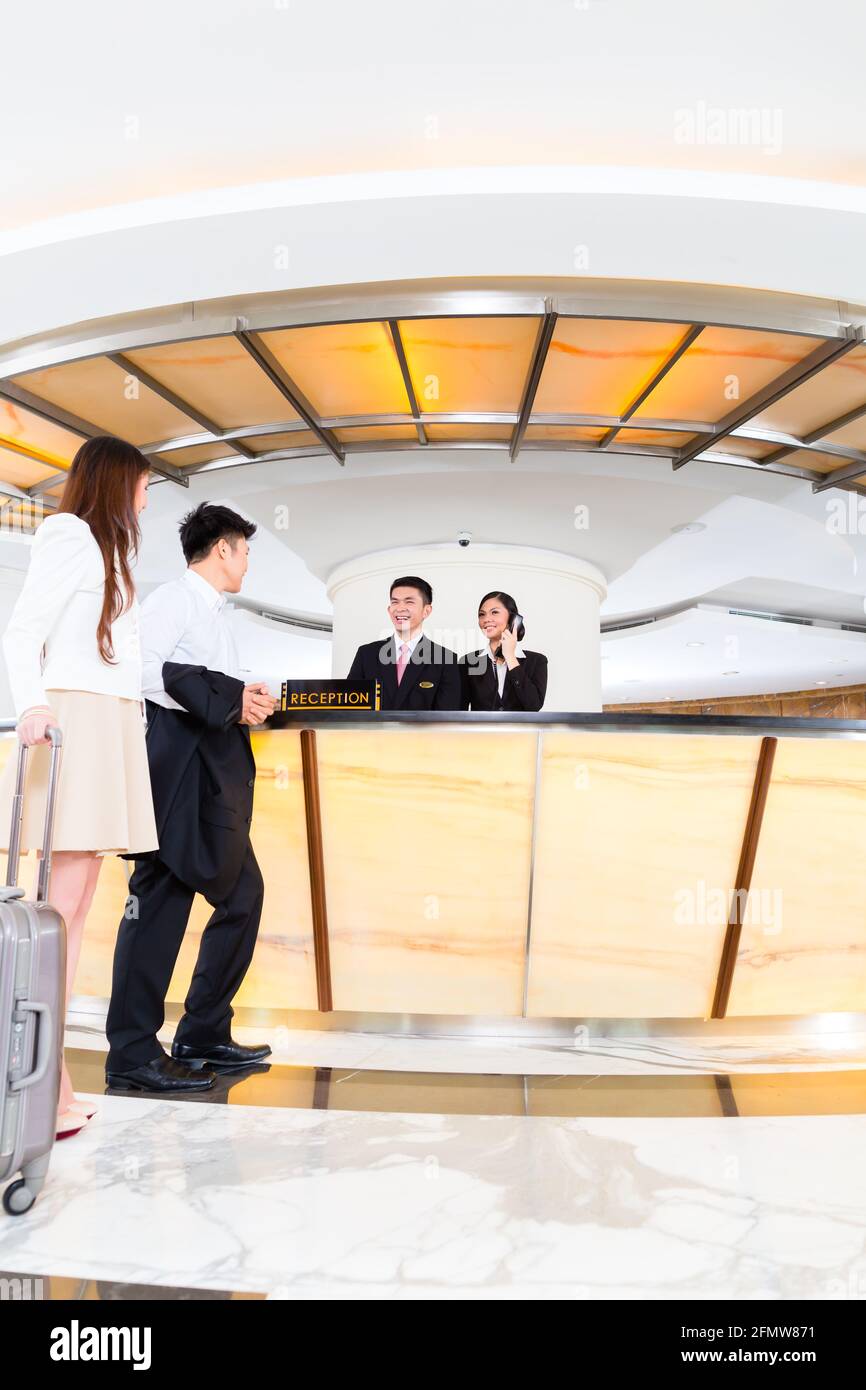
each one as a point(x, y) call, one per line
point(501, 676)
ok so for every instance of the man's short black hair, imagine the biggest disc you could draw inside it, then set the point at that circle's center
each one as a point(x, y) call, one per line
point(411, 581)
point(205, 525)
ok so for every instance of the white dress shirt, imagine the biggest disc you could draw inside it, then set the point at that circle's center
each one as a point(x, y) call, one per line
point(501, 668)
point(50, 643)
point(410, 642)
point(184, 621)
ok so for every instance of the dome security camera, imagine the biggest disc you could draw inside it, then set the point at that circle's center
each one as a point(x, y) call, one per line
point(463, 538)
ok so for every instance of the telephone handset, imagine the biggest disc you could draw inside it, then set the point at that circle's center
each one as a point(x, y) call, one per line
point(519, 631)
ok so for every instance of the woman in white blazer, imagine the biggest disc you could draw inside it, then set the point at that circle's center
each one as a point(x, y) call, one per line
point(73, 659)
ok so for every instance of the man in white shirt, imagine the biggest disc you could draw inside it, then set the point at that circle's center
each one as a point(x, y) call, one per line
point(202, 774)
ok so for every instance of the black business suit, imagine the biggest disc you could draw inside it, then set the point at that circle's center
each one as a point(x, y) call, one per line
point(202, 774)
point(524, 688)
point(431, 679)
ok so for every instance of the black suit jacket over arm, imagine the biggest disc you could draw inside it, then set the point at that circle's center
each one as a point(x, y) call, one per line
point(202, 774)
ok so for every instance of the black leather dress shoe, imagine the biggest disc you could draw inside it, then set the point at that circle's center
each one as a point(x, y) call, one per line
point(221, 1055)
point(162, 1074)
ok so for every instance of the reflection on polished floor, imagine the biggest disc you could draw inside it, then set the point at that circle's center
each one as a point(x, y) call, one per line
point(356, 1181)
point(468, 1093)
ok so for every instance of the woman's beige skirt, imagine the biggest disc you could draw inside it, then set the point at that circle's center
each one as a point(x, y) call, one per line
point(104, 803)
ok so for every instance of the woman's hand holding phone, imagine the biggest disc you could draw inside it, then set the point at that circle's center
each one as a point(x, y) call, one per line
point(508, 644)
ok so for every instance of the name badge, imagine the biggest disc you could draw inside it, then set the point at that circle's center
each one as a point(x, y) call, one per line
point(426, 685)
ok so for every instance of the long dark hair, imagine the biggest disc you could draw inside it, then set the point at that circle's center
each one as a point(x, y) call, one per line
point(100, 488)
point(508, 602)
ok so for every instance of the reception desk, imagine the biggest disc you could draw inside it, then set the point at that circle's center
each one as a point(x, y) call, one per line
point(548, 867)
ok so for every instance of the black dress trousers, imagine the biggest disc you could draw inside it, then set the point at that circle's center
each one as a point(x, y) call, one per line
point(147, 948)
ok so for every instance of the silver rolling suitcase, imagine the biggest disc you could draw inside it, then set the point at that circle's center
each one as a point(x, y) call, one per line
point(32, 1009)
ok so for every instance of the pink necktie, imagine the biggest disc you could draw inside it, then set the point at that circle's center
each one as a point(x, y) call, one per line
point(402, 660)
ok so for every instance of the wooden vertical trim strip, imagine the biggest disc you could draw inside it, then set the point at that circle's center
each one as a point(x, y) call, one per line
point(312, 806)
point(749, 849)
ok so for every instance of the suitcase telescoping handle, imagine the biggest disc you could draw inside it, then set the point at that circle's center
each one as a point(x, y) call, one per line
point(56, 739)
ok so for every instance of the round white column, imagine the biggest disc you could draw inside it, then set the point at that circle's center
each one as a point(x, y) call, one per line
point(558, 595)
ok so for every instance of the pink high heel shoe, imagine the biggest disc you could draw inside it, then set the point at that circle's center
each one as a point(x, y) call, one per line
point(83, 1107)
point(69, 1123)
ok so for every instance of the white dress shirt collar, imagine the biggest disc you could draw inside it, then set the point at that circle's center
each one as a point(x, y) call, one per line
point(411, 642)
point(214, 598)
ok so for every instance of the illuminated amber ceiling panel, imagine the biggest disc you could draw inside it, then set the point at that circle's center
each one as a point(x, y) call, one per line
point(98, 391)
point(294, 439)
point(853, 436)
point(218, 377)
point(472, 364)
point(599, 366)
point(439, 434)
point(823, 398)
point(566, 433)
point(362, 434)
point(343, 368)
point(659, 439)
point(743, 447)
point(21, 471)
point(196, 453)
point(20, 426)
point(721, 370)
point(815, 460)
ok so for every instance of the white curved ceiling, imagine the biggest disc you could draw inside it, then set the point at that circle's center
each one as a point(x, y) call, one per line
point(112, 103)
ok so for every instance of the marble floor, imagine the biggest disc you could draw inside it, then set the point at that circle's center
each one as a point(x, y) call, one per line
point(358, 1167)
point(309, 1204)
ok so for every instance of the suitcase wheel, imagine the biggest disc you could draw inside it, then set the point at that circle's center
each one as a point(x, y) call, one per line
point(18, 1198)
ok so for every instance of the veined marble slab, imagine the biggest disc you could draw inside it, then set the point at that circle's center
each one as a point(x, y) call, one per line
point(637, 844)
point(803, 946)
point(299, 1203)
point(427, 849)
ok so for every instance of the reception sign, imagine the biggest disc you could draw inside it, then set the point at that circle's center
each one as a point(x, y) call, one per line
point(330, 694)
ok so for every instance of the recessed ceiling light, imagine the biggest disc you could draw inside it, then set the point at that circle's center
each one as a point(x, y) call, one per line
point(689, 528)
point(820, 682)
point(696, 644)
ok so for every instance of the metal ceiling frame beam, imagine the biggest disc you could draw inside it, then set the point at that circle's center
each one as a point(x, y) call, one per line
point(682, 346)
point(821, 356)
point(14, 493)
point(279, 377)
point(86, 429)
point(811, 440)
point(309, 451)
point(687, 427)
point(173, 399)
point(539, 357)
point(836, 476)
point(673, 303)
point(54, 414)
point(397, 340)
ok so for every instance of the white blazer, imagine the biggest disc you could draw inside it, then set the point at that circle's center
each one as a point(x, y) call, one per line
point(50, 643)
